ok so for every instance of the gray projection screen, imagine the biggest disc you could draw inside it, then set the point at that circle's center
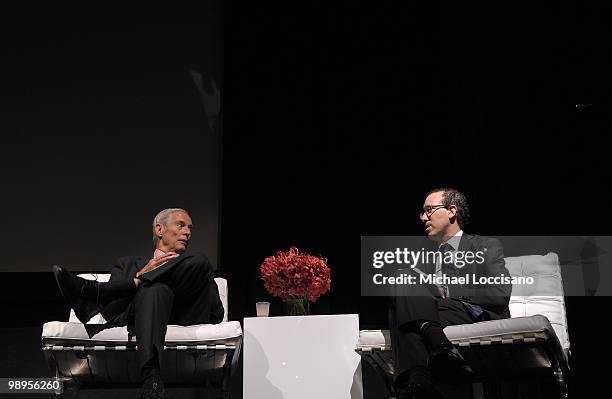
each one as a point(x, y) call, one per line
point(106, 121)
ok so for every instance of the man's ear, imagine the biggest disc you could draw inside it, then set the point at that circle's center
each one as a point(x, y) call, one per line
point(452, 213)
point(158, 230)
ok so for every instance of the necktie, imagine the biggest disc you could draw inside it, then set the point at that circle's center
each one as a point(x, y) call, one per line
point(447, 261)
point(447, 268)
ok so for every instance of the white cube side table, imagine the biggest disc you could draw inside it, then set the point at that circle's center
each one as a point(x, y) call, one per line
point(302, 357)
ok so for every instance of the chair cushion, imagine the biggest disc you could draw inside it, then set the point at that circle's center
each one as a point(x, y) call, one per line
point(374, 339)
point(58, 332)
point(486, 331)
point(545, 297)
point(502, 331)
point(519, 329)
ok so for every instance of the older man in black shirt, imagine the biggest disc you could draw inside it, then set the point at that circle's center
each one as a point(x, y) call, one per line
point(147, 293)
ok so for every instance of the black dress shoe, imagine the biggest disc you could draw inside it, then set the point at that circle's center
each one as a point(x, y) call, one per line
point(80, 293)
point(154, 390)
point(415, 390)
point(446, 363)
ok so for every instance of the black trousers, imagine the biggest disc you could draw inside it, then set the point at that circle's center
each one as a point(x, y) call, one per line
point(420, 303)
point(185, 294)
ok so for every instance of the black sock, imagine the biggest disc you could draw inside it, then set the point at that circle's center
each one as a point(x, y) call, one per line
point(115, 290)
point(433, 335)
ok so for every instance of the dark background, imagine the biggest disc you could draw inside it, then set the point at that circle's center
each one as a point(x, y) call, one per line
point(338, 118)
point(103, 126)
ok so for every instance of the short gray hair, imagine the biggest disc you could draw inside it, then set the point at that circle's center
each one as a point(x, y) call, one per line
point(162, 218)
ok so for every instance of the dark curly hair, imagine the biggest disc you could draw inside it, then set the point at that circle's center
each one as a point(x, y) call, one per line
point(450, 197)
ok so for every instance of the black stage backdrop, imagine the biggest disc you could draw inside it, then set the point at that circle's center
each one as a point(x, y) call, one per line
point(338, 118)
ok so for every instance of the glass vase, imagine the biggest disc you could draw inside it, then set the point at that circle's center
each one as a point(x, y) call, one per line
point(297, 307)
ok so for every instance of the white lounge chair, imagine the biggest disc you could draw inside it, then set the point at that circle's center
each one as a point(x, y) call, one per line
point(197, 355)
point(533, 343)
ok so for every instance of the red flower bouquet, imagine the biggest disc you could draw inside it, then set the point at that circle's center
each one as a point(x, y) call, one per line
point(294, 275)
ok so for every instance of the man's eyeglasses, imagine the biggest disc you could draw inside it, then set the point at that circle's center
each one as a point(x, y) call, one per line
point(430, 209)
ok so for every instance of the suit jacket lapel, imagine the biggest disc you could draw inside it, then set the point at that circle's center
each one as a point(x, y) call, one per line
point(465, 244)
point(140, 262)
point(136, 265)
point(430, 267)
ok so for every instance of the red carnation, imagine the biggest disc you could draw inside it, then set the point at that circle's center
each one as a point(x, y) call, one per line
point(295, 275)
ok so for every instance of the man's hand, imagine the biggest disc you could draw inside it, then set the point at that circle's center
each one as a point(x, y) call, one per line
point(155, 263)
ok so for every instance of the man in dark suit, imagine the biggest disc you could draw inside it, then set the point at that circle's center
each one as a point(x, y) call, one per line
point(421, 350)
point(148, 293)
